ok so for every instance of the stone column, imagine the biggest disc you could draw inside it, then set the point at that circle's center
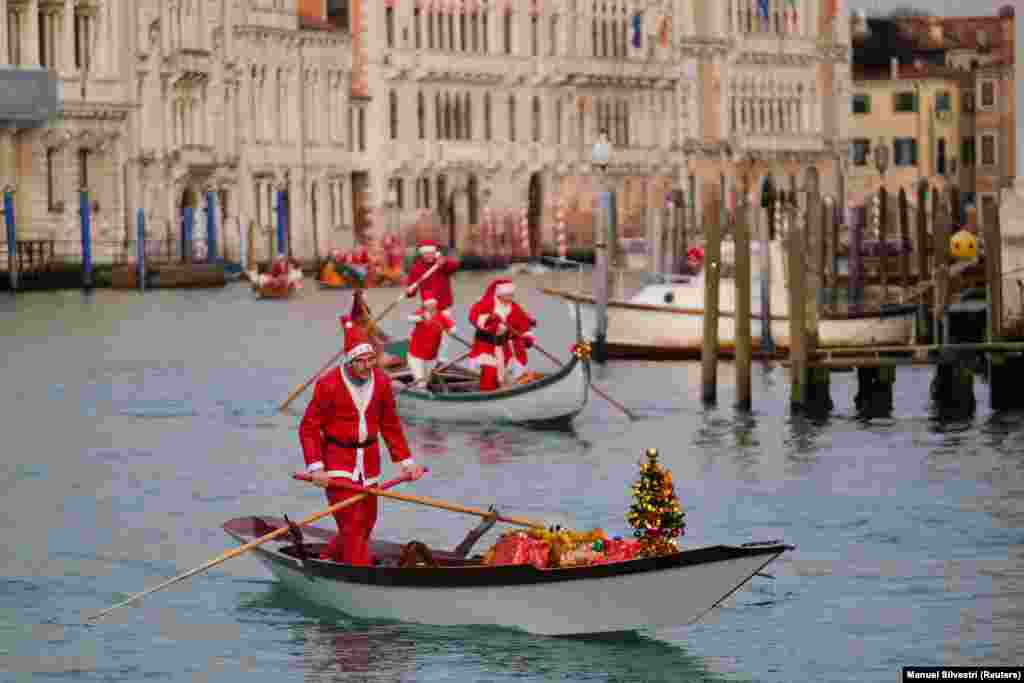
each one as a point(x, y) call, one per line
point(345, 199)
point(30, 34)
point(323, 227)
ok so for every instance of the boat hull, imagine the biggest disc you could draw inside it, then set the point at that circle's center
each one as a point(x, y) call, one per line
point(639, 594)
point(549, 402)
point(646, 331)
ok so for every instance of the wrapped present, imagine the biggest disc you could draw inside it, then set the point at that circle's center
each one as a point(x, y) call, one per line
point(618, 550)
point(580, 556)
point(519, 548)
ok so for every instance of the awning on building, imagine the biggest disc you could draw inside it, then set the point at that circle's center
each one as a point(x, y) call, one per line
point(28, 96)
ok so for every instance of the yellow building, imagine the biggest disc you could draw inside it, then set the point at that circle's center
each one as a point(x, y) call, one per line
point(938, 94)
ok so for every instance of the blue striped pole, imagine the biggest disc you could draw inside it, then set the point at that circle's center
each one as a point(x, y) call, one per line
point(282, 225)
point(187, 215)
point(85, 211)
point(12, 238)
point(211, 226)
point(140, 221)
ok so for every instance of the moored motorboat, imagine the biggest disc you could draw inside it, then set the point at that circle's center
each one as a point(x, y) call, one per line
point(653, 592)
point(666, 321)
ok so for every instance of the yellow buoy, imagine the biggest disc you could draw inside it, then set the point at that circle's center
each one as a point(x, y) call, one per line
point(964, 246)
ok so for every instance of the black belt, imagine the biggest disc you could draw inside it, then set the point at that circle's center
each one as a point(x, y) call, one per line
point(492, 338)
point(350, 444)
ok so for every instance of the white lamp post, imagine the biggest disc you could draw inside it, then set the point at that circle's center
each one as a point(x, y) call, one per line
point(393, 205)
point(601, 156)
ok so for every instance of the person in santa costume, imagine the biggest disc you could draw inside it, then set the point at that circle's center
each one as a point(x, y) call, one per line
point(431, 327)
point(520, 343)
point(353, 407)
point(497, 319)
point(360, 315)
point(438, 286)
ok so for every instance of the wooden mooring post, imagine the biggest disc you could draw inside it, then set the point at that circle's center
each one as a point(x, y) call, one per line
point(874, 390)
point(744, 344)
point(795, 244)
point(940, 270)
point(709, 347)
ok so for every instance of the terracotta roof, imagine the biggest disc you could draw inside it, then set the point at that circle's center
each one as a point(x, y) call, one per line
point(962, 33)
point(908, 40)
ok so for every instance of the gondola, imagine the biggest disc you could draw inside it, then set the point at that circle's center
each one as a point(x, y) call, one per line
point(451, 589)
point(548, 401)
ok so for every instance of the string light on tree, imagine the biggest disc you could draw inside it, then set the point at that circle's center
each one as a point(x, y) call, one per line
point(655, 515)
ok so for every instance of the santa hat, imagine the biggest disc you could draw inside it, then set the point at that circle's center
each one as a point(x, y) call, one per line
point(359, 308)
point(500, 287)
point(357, 343)
point(427, 247)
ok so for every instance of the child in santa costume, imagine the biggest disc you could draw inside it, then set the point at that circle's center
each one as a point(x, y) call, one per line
point(497, 319)
point(521, 341)
point(352, 408)
point(438, 286)
point(431, 327)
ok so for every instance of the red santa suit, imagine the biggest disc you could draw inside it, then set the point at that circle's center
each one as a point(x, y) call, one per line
point(340, 434)
point(522, 339)
point(496, 324)
point(427, 336)
point(438, 286)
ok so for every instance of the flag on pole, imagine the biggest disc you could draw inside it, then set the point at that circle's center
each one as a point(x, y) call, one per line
point(664, 28)
point(762, 11)
point(792, 16)
point(638, 22)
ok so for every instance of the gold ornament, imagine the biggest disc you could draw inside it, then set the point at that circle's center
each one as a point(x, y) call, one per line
point(582, 351)
point(964, 246)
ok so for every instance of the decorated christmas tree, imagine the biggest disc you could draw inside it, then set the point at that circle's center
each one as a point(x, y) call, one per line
point(655, 515)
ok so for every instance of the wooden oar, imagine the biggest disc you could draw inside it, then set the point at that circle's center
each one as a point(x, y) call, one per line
point(559, 363)
point(244, 548)
point(430, 502)
point(596, 390)
point(334, 359)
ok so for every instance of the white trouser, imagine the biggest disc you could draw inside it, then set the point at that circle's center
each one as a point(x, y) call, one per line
point(442, 352)
point(420, 368)
point(516, 370)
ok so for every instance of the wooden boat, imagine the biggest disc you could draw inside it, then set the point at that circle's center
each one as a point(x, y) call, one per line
point(657, 592)
point(551, 401)
point(666, 321)
point(271, 290)
point(326, 284)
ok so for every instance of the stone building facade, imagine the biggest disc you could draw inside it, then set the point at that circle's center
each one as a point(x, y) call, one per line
point(354, 114)
point(940, 94)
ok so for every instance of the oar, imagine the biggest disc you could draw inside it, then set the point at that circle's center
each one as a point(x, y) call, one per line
point(244, 548)
point(334, 359)
point(410, 385)
point(431, 502)
point(402, 296)
point(559, 363)
point(597, 391)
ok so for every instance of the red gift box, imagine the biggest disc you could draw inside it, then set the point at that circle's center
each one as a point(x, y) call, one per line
point(521, 549)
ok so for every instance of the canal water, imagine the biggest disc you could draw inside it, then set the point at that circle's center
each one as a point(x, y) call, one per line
point(133, 425)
